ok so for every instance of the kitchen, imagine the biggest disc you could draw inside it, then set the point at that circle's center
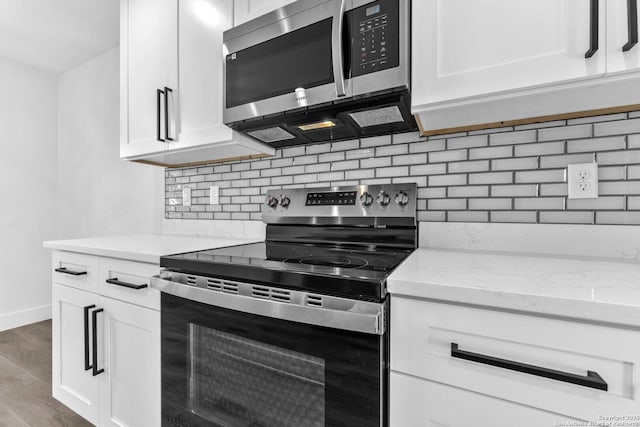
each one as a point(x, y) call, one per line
point(513, 167)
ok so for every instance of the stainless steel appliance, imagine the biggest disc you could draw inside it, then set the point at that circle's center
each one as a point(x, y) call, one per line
point(318, 70)
point(292, 331)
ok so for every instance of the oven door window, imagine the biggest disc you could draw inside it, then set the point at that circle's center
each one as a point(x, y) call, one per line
point(227, 368)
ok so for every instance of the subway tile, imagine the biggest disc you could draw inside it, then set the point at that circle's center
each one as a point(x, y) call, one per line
point(318, 148)
point(345, 145)
point(315, 184)
point(375, 141)
point(489, 204)
point(189, 172)
point(446, 204)
point(306, 160)
point(421, 181)
point(565, 132)
point(421, 205)
point(222, 215)
point(447, 156)
point(618, 127)
point(446, 135)
point(491, 152)
point(633, 203)
point(293, 151)
point(633, 114)
point(410, 159)
point(566, 217)
point(618, 187)
point(424, 147)
point(213, 177)
point(400, 138)
point(467, 216)
point(491, 178)
point(601, 203)
point(564, 160)
point(205, 215)
point(250, 208)
point(236, 167)
point(256, 216)
point(467, 142)
point(331, 176)
point(432, 216)
point(344, 183)
point(230, 176)
point(597, 119)
point(249, 191)
point(392, 150)
point(318, 167)
point(240, 216)
point(432, 193)
point(229, 191)
point(174, 173)
point(250, 174)
point(468, 191)
point(491, 130)
point(261, 164)
point(240, 199)
point(231, 208)
point(619, 157)
point(224, 200)
point(182, 180)
point(293, 170)
point(331, 157)
point(259, 182)
point(305, 178)
point(514, 164)
point(279, 163)
point(508, 138)
point(170, 180)
point(469, 166)
point(377, 181)
point(391, 172)
point(434, 169)
point(375, 162)
point(513, 190)
point(347, 164)
point(257, 199)
point(633, 172)
point(271, 172)
point(360, 154)
point(514, 216)
point(539, 176)
point(196, 178)
point(541, 125)
point(596, 144)
point(282, 180)
point(611, 173)
point(623, 218)
point(633, 141)
point(445, 180)
point(539, 149)
point(205, 170)
point(221, 168)
point(360, 174)
point(539, 203)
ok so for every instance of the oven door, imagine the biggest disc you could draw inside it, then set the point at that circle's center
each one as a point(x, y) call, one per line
point(226, 367)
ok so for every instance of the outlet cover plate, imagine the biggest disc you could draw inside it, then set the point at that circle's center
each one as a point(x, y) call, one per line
point(214, 195)
point(582, 179)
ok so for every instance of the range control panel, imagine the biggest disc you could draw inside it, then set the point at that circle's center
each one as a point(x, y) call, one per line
point(308, 205)
point(375, 37)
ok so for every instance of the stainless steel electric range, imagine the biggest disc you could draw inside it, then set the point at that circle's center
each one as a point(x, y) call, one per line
point(292, 331)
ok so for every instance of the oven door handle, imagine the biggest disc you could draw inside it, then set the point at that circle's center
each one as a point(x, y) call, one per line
point(338, 313)
point(337, 54)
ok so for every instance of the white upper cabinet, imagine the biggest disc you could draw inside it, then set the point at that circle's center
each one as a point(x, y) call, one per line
point(468, 48)
point(621, 34)
point(246, 10)
point(172, 83)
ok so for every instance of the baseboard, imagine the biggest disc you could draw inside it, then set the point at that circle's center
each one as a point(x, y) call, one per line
point(24, 317)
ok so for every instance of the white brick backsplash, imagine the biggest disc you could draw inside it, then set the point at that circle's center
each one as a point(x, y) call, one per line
point(467, 216)
point(221, 168)
point(392, 172)
point(601, 203)
point(410, 159)
point(305, 160)
point(541, 125)
point(513, 190)
point(633, 203)
point(470, 166)
point(301, 179)
point(423, 147)
point(491, 152)
point(491, 178)
point(445, 180)
point(467, 142)
point(619, 157)
point(432, 193)
point(347, 164)
point(577, 217)
point(250, 174)
point(633, 141)
point(360, 174)
point(421, 181)
point(360, 154)
point(331, 176)
point(447, 156)
point(507, 138)
point(564, 160)
point(565, 132)
point(514, 216)
point(618, 127)
point(438, 216)
point(293, 170)
point(261, 164)
point(446, 135)
point(271, 172)
point(611, 173)
point(282, 180)
point(375, 162)
point(446, 204)
point(539, 149)
point(539, 203)
point(401, 138)
point(438, 168)
point(596, 144)
point(489, 204)
point(468, 191)
point(623, 218)
point(279, 163)
point(597, 119)
point(331, 157)
point(318, 148)
point(514, 164)
point(320, 167)
point(392, 150)
point(545, 175)
point(633, 172)
point(293, 151)
point(619, 187)
point(240, 167)
point(345, 145)
point(375, 141)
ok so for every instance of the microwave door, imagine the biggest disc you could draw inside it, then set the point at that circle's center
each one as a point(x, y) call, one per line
point(285, 60)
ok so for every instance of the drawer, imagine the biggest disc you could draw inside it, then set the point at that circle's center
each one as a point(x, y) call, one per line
point(424, 335)
point(415, 402)
point(76, 270)
point(129, 281)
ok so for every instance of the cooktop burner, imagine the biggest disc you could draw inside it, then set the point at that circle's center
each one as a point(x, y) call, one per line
point(335, 261)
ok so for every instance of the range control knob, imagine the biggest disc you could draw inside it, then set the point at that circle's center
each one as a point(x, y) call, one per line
point(383, 198)
point(271, 201)
point(402, 198)
point(284, 201)
point(366, 199)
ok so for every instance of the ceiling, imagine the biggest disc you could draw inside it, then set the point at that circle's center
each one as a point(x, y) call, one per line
point(56, 35)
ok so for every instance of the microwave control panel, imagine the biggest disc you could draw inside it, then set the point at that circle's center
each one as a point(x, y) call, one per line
point(374, 37)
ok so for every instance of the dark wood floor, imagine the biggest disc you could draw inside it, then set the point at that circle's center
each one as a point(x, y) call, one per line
point(25, 380)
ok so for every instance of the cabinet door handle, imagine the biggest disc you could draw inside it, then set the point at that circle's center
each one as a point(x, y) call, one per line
point(593, 30)
point(87, 365)
point(632, 25)
point(94, 328)
point(115, 281)
point(65, 270)
point(159, 116)
point(591, 380)
point(336, 48)
point(167, 91)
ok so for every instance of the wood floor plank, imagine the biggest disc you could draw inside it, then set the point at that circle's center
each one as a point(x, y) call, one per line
point(8, 418)
point(26, 352)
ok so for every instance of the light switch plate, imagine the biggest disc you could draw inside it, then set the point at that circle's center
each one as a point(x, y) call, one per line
point(186, 197)
point(214, 195)
point(582, 179)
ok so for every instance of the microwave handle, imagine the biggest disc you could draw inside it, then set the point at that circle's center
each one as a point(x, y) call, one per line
point(336, 48)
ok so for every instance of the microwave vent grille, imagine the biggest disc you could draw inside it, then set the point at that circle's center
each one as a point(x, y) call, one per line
point(271, 134)
point(378, 116)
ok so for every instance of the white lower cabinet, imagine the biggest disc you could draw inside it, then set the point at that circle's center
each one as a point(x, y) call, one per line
point(123, 389)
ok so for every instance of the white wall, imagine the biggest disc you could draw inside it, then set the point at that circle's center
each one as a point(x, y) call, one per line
point(28, 214)
point(99, 194)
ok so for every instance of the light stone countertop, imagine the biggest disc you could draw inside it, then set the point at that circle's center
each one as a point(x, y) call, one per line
point(596, 289)
point(143, 248)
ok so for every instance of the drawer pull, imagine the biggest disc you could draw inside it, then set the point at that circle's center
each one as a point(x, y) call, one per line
point(591, 380)
point(115, 281)
point(94, 329)
point(65, 270)
point(87, 364)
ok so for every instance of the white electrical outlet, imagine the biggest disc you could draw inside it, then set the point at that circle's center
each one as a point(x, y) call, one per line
point(583, 181)
point(214, 195)
point(186, 197)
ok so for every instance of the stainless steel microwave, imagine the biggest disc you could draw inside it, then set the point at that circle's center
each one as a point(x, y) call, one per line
point(319, 70)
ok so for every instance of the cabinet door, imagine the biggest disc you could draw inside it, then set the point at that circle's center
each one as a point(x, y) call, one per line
point(72, 385)
point(246, 10)
point(130, 383)
point(147, 56)
point(467, 48)
point(200, 27)
point(619, 36)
